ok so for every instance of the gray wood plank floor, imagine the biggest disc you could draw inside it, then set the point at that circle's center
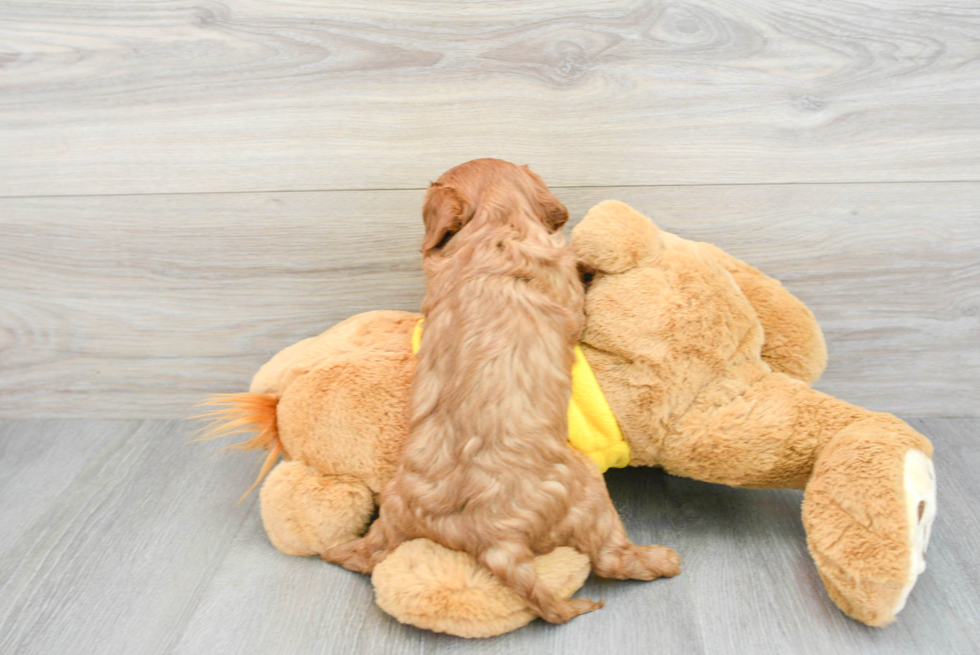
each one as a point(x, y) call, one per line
point(121, 537)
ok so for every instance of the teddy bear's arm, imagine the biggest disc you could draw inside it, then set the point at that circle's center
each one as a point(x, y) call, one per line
point(794, 343)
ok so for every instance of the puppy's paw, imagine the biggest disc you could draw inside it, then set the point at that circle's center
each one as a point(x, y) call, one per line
point(669, 562)
point(652, 562)
point(569, 609)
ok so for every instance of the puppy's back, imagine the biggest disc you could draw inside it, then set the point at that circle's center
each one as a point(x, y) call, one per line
point(493, 378)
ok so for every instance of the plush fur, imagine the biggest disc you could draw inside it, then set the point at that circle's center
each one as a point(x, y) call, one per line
point(697, 392)
point(444, 590)
point(706, 363)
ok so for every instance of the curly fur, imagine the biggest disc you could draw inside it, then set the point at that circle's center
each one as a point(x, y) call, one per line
point(486, 468)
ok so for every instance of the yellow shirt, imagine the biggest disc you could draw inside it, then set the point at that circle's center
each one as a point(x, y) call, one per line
point(592, 426)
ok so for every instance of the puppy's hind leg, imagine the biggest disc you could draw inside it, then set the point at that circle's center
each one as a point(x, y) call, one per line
point(513, 565)
point(624, 560)
point(362, 555)
point(600, 535)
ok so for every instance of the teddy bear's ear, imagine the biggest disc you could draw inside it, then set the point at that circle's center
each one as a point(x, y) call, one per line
point(445, 212)
point(613, 237)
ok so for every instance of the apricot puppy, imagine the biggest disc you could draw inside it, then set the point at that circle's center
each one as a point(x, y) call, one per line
point(486, 467)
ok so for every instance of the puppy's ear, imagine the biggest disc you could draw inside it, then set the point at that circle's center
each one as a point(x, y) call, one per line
point(445, 212)
point(555, 213)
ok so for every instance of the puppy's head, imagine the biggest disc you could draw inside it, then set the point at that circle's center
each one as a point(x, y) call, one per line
point(485, 189)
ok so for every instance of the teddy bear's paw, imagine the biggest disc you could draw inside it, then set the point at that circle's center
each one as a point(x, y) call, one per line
point(920, 512)
point(426, 585)
point(870, 570)
point(305, 512)
point(868, 510)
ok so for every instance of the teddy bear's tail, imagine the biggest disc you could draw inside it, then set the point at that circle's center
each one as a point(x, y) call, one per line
point(244, 412)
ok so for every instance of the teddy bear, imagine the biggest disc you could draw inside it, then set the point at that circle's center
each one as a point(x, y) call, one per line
point(705, 364)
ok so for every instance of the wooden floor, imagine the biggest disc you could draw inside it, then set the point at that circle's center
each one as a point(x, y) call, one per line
point(120, 537)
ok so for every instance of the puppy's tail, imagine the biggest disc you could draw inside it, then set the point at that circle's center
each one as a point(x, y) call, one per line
point(244, 412)
point(513, 565)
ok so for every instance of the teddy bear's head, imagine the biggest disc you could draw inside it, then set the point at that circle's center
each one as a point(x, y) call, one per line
point(619, 250)
point(613, 238)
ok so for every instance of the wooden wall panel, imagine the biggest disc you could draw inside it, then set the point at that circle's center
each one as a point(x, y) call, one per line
point(137, 306)
point(116, 96)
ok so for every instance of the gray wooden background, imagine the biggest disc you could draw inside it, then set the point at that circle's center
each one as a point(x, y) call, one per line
point(187, 187)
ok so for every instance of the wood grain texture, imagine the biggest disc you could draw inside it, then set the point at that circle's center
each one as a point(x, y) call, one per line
point(113, 96)
point(117, 561)
point(135, 307)
point(145, 551)
point(41, 459)
point(106, 301)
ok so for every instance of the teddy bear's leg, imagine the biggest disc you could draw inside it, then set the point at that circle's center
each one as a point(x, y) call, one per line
point(920, 507)
point(865, 476)
point(794, 343)
point(306, 512)
point(868, 510)
point(428, 586)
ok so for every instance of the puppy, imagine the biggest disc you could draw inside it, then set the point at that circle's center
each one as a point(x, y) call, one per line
point(486, 467)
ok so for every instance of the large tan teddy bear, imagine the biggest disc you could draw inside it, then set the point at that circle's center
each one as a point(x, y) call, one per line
point(706, 365)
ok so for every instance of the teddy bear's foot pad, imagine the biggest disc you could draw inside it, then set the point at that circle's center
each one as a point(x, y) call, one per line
point(920, 507)
point(426, 585)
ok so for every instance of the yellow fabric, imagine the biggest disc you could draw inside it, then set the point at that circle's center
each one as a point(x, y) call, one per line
point(592, 426)
point(417, 336)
